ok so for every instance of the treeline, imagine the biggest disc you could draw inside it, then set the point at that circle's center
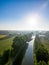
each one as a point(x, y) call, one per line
point(7, 37)
point(4, 32)
point(4, 58)
point(19, 43)
point(41, 55)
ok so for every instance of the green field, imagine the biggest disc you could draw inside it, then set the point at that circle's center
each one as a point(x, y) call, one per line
point(5, 44)
point(2, 36)
point(45, 42)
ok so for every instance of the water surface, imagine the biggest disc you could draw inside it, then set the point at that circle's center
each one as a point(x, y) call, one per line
point(28, 58)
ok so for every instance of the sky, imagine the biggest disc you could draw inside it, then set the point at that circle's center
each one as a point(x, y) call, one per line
point(24, 14)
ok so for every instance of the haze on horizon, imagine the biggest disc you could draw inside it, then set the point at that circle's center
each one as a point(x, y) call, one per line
point(24, 14)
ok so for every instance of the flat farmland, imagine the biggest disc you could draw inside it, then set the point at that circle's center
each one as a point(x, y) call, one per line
point(5, 43)
point(45, 42)
point(2, 36)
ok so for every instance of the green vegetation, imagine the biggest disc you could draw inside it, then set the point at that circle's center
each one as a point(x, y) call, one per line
point(4, 58)
point(2, 36)
point(41, 54)
point(11, 47)
point(5, 44)
point(45, 42)
point(19, 42)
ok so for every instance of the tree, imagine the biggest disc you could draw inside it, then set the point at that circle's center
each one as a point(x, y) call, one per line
point(42, 55)
point(4, 58)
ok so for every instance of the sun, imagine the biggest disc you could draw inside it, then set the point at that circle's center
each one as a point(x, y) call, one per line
point(32, 20)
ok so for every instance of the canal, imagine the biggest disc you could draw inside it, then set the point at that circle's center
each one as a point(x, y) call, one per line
point(28, 58)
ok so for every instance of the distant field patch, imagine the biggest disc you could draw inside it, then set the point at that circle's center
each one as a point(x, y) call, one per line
point(2, 36)
point(45, 43)
point(6, 44)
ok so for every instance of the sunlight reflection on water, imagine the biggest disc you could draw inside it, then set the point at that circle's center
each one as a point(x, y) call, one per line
point(28, 58)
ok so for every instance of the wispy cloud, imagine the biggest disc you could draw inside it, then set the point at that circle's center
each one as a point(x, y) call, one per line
point(43, 6)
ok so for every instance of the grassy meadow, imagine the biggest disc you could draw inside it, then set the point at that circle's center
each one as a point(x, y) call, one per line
point(5, 43)
point(2, 36)
point(45, 43)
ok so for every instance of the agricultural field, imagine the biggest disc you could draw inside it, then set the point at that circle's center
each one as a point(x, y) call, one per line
point(5, 43)
point(2, 36)
point(45, 43)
